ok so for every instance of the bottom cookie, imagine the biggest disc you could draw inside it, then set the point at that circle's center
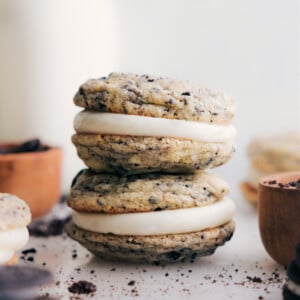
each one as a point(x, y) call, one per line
point(250, 193)
point(152, 249)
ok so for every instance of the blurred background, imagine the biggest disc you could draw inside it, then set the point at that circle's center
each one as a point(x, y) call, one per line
point(248, 49)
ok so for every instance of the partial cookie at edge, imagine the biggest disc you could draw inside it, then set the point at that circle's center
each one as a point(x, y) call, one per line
point(14, 212)
point(276, 153)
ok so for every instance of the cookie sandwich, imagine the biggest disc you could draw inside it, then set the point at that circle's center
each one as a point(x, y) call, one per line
point(150, 217)
point(139, 124)
point(270, 154)
point(147, 142)
point(14, 217)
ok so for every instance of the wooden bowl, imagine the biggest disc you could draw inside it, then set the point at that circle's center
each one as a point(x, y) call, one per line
point(35, 177)
point(279, 215)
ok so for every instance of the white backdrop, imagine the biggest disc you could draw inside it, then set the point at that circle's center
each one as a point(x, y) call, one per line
point(246, 48)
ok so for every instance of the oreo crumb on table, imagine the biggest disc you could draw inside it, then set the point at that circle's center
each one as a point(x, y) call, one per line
point(254, 279)
point(28, 251)
point(82, 287)
point(42, 228)
point(131, 283)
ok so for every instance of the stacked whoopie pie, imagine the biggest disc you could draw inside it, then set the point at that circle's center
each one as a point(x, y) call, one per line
point(146, 141)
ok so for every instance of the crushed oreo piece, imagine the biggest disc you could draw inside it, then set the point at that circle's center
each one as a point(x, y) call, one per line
point(42, 228)
point(254, 279)
point(33, 145)
point(27, 251)
point(131, 283)
point(53, 223)
point(82, 287)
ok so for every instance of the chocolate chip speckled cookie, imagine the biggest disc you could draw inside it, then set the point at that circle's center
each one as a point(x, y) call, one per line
point(138, 124)
point(93, 192)
point(151, 96)
point(134, 155)
point(14, 217)
point(153, 249)
point(145, 196)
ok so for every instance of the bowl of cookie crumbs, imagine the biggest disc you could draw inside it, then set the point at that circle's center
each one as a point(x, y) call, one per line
point(32, 171)
point(279, 221)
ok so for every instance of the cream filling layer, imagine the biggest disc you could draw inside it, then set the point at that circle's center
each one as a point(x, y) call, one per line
point(293, 287)
point(11, 241)
point(158, 222)
point(121, 124)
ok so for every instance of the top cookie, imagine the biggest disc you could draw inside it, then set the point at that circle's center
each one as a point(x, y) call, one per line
point(152, 96)
point(276, 153)
point(14, 212)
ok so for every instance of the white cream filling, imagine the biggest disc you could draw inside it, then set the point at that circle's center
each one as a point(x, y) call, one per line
point(158, 222)
point(120, 124)
point(12, 240)
point(293, 287)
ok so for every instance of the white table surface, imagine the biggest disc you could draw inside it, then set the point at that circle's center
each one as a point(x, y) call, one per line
point(224, 275)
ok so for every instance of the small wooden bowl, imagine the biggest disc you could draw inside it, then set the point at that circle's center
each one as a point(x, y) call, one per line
point(35, 177)
point(279, 215)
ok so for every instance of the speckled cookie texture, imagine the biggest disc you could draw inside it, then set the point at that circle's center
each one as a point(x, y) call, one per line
point(152, 249)
point(133, 155)
point(145, 173)
point(276, 153)
point(14, 212)
point(94, 192)
point(152, 96)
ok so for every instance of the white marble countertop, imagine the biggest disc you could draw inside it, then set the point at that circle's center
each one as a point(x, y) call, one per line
point(239, 270)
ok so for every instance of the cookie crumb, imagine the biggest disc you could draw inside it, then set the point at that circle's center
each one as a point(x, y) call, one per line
point(131, 283)
point(82, 287)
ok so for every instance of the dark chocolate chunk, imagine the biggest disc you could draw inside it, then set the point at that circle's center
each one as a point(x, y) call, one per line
point(173, 255)
point(186, 94)
point(152, 200)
